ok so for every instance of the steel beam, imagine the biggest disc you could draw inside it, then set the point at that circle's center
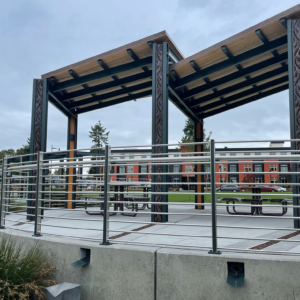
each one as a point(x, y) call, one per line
point(135, 58)
point(239, 86)
point(105, 86)
point(245, 101)
point(102, 97)
point(246, 93)
point(62, 107)
point(233, 62)
point(114, 77)
point(102, 74)
point(114, 102)
point(239, 74)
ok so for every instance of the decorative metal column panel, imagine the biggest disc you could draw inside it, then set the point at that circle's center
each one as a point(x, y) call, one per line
point(198, 136)
point(38, 136)
point(294, 91)
point(160, 126)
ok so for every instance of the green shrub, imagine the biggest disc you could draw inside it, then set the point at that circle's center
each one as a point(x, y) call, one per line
point(24, 272)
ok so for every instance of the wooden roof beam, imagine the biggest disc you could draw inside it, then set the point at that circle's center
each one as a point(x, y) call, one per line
point(232, 62)
point(246, 71)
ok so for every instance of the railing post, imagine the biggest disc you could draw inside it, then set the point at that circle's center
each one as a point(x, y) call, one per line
point(3, 192)
point(213, 198)
point(106, 196)
point(38, 194)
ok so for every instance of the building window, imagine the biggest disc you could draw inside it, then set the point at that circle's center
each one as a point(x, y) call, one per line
point(233, 179)
point(258, 180)
point(176, 155)
point(232, 154)
point(122, 170)
point(272, 153)
point(131, 156)
point(222, 154)
point(144, 156)
point(222, 168)
point(258, 168)
point(273, 168)
point(176, 169)
point(112, 169)
point(257, 153)
point(284, 168)
point(283, 180)
point(189, 168)
point(247, 168)
point(283, 153)
point(273, 179)
point(122, 157)
point(130, 169)
point(222, 179)
point(232, 168)
point(206, 168)
point(144, 169)
point(247, 153)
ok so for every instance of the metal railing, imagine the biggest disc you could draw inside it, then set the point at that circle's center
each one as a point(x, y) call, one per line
point(108, 198)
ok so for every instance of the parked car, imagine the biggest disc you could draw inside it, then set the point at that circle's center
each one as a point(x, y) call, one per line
point(267, 188)
point(229, 188)
point(280, 189)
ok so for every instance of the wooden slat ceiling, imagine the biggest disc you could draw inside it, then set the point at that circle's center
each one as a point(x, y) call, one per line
point(243, 68)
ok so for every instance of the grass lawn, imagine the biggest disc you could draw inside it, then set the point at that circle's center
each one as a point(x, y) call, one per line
point(191, 198)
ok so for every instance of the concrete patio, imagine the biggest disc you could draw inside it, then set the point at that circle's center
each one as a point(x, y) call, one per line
point(89, 227)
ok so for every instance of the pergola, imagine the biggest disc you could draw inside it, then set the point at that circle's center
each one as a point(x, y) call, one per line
point(246, 67)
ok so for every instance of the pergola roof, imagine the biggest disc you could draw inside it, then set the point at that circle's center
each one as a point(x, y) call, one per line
point(113, 77)
point(243, 68)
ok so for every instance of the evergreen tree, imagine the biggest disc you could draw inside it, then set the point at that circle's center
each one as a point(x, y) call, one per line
point(99, 137)
point(188, 137)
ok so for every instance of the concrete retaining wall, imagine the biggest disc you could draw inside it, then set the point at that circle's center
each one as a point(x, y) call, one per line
point(191, 275)
point(114, 273)
point(151, 273)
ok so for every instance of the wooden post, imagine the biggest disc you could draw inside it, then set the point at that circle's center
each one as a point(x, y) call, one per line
point(72, 144)
point(198, 132)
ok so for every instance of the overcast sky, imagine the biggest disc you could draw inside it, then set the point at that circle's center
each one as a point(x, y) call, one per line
point(41, 36)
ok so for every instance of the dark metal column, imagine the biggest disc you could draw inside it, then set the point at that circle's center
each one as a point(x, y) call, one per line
point(294, 97)
point(198, 133)
point(38, 136)
point(160, 81)
point(72, 144)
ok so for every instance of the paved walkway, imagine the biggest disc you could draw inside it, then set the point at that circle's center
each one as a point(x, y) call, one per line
point(77, 224)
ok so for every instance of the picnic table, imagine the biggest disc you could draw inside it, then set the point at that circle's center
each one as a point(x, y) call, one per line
point(256, 201)
point(119, 207)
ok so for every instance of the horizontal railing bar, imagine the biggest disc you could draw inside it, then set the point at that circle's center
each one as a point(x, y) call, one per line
point(160, 145)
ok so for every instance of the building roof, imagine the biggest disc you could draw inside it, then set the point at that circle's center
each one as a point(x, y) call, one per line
point(246, 67)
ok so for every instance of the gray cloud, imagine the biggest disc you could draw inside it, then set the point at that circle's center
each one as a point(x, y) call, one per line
point(41, 36)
